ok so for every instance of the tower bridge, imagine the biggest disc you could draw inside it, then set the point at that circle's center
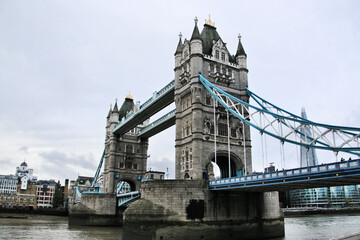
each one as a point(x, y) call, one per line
point(212, 117)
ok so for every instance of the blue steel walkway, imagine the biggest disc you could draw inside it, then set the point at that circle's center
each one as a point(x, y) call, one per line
point(326, 175)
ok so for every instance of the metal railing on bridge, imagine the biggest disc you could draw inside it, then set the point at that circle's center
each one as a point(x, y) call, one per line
point(295, 178)
point(169, 116)
point(124, 198)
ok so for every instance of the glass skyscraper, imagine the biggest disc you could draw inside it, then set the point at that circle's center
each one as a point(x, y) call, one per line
point(334, 197)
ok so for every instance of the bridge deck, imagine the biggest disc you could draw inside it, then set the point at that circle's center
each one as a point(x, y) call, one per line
point(326, 175)
point(159, 125)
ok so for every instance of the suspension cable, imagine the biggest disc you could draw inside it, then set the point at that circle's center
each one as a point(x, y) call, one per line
point(228, 136)
point(244, 139)
point(215, 130)
point(262, 141)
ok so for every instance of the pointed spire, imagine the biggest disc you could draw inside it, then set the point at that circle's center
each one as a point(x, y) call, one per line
point(240, 49)
point(110, 111)
point(180, 45)
point(196, 33)
point(116, 109)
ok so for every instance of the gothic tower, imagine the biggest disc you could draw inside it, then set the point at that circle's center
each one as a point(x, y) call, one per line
point(125, 155)
point(206, 53)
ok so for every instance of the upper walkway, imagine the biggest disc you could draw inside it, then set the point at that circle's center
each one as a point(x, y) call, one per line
point(157, 102)
point(325, 175)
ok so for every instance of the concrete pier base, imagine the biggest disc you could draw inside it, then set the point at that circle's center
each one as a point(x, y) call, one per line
point(188, 209)
point(95, 210)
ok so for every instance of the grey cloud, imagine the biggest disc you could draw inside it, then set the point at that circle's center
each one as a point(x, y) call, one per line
point(61, 159)
point(24, 149)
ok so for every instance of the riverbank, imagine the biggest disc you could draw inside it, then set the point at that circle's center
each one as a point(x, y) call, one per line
point(298, 212)
point(23, 213)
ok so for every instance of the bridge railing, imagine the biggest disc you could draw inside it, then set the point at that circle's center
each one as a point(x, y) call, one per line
point(157, 122)
point(127, 197)
point(146, 104)
point(289, 172)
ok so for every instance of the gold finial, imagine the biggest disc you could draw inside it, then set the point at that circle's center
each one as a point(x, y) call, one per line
point(209, 22)
point(129, 96)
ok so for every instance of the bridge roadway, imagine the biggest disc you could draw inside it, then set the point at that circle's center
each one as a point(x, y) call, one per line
point(325, 175)
point(157, 102)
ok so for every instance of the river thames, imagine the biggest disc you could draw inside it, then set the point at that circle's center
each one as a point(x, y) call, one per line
point(44, 227)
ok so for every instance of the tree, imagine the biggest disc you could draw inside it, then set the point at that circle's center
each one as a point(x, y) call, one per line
point(57, 200)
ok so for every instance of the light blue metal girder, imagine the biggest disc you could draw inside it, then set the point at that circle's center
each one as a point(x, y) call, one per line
point(78, 193)
point(98, 170)
point(285, 126)
point(157, 96)
point(127, 197)
point(167, 117)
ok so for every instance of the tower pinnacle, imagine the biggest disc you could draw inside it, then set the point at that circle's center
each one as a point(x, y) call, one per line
point(240, 49)
point(196, 33)
point(209, 22)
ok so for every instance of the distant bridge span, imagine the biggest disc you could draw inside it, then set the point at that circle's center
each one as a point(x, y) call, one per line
point(325, 175)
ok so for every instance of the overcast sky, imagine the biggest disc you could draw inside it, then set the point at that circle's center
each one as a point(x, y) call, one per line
point(62, 63)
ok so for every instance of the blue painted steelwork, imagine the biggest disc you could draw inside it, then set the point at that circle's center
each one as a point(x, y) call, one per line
point(336, 170)
point(78, 195)
point(127, 197)
point(157, 122)
point(94, 192)
point(284, 126)
point(156, 95)
point(98, 170)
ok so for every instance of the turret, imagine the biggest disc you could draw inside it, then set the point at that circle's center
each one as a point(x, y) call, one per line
point(196, 41)
point(241, 61)
point(114, 117)
point(178, 52)
point(240, 55)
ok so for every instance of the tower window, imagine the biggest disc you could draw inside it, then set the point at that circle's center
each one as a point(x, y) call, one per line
point(223, 56)
point(233, 132)
point(211, 68)
point(217, 68)
point(135, 166)
point(129, 149)
point(208, 100)
point(222, 129)
point(224, 70)
point(217, 54)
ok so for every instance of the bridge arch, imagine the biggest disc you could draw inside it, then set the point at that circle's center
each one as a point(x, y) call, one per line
point(126, 184)
point(222, 161)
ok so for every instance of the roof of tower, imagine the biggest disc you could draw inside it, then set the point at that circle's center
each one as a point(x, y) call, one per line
point(209, 35)
point(23, 164)
point(196, 33)
point(240, 49)
point(126, 107)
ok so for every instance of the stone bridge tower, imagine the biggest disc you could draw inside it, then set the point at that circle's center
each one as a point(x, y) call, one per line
point(125, 155)
point(206, 53)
